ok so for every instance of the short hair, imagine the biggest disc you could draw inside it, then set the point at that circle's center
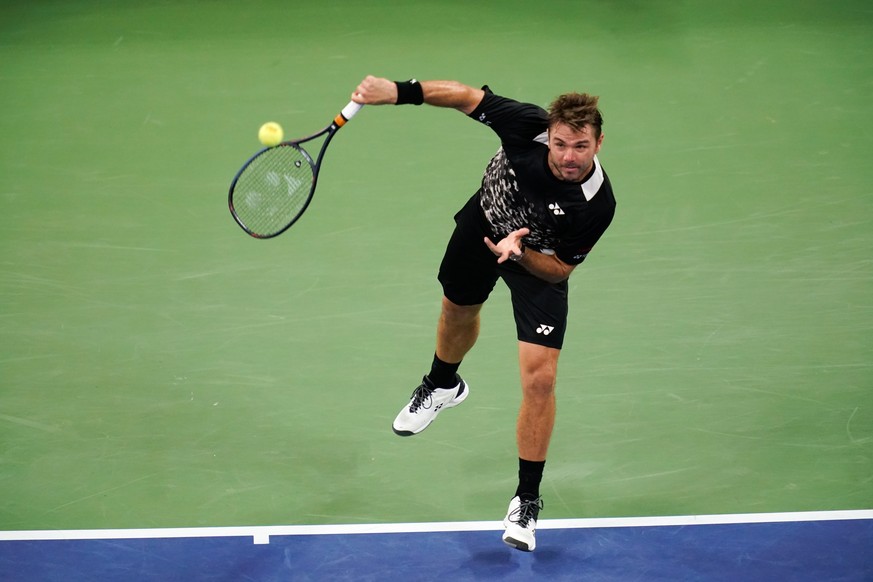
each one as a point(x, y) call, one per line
point(577, 110)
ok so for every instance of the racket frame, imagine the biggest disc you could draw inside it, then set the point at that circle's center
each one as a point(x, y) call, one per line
point(340, 120)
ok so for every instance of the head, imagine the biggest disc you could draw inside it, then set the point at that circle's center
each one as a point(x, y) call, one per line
point(575, 135)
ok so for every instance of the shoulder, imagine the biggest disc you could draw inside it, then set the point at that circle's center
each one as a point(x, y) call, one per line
point(597, 202)
point(508, 116)
point(598, 187)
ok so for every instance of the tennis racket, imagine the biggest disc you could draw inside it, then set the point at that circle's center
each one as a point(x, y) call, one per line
point(275, 186)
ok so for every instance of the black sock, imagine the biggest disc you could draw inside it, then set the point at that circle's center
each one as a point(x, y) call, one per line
point(530, 473)
point(442, 374)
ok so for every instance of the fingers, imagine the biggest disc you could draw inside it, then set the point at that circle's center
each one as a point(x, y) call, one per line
point(362, 91)
point(375, 91)
point(502, 255)
point(508, 246)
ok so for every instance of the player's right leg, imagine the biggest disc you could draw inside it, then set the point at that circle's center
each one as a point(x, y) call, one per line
point(442, 388)
point(467, 273)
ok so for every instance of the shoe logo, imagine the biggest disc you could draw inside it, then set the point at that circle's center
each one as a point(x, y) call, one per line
point(545, 329)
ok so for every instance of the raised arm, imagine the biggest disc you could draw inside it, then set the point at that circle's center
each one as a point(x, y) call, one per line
point(452, 94)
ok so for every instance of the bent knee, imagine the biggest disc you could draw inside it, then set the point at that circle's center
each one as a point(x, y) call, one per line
point(460, 313)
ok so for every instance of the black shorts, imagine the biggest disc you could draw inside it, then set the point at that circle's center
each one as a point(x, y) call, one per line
point(469, 271)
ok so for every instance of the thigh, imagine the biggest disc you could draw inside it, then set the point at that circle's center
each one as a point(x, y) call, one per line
point(468, 271)
point(540, 308)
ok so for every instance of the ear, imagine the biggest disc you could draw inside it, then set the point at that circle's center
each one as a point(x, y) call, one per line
point(599, 143)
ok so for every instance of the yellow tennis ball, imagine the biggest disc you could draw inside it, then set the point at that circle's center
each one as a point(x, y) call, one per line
point(270, 134)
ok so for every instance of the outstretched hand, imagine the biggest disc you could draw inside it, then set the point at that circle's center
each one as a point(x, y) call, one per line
point(375, 91)
point(509, 245)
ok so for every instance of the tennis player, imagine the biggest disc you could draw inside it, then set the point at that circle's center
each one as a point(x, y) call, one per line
point(543, 203)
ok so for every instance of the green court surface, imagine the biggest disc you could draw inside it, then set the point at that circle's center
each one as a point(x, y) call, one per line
point(159, 368)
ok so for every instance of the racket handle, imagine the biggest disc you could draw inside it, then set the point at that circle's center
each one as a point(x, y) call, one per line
point(347, 113)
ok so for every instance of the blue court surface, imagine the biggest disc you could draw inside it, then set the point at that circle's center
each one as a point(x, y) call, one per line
point(815, 546)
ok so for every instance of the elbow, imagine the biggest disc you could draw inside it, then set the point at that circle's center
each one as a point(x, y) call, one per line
point(562, 273)
point(558, 276)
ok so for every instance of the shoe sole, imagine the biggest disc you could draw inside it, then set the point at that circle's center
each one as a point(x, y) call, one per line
point(514, 543)
point(451, 404)
point(517, 544)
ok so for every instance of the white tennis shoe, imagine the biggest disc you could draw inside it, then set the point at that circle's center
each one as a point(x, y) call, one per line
point(427, 401)
point(521, 523)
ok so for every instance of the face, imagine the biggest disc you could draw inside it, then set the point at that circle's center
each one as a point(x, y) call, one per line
point(571, 152)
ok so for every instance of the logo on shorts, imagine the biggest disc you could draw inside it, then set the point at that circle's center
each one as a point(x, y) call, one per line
point(545, 329)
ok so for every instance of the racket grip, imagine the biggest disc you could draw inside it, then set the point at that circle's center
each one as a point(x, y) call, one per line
point(347, 113)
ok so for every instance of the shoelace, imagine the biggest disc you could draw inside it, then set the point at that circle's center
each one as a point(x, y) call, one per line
point(422, 397)
point(528, 510)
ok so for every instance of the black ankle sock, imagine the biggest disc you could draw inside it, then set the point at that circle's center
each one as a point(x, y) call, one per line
point(530, 473)
point(442, 374)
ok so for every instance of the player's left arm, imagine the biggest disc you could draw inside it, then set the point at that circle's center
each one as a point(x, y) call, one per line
point(549, 268)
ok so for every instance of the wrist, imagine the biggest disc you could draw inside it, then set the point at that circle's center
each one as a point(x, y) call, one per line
point(409, 92)
point(517, 258)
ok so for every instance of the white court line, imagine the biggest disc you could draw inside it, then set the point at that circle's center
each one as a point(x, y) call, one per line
point(261, 534)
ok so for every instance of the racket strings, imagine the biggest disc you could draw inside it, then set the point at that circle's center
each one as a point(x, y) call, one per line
point(273, 190)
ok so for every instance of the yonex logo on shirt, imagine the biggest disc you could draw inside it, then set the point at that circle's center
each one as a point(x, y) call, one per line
point(545, 329)
point(556, 209)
